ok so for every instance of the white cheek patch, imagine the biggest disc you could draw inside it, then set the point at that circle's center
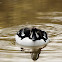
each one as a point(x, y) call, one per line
point(37, 35)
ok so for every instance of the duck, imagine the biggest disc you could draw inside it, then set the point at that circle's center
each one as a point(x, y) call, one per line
point(33, 38)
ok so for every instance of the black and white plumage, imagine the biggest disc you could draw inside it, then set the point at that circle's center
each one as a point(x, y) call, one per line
point(32, 38)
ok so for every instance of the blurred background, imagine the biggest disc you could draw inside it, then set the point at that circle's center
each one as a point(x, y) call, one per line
point(17, 12)
point(43, 14)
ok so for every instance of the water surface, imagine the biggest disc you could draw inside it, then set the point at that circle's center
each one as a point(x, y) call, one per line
point(28, 14)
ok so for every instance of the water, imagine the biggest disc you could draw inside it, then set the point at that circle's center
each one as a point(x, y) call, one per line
point(28, 14)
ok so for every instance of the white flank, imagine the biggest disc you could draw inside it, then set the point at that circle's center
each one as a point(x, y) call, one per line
point(29, 43)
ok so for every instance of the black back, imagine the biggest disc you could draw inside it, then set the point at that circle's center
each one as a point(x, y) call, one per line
point(34, 34)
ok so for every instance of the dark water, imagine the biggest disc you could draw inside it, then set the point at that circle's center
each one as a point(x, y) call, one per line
point(43, 14)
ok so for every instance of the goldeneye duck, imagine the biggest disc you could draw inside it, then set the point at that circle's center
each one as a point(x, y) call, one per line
point(33, 38)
